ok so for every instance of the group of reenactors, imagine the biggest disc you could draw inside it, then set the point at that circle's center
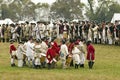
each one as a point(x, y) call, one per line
point(105, 32)
point(44, 43)
point(42, 53)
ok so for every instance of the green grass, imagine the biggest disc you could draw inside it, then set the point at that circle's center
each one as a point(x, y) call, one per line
point(107, 67)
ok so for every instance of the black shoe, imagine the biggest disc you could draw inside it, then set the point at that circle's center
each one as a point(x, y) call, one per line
point(71, 63)
point(24, 63)
point(35, 66)
point(39, 66)
point(12, 65)
point(82, 65)
point(76, 66)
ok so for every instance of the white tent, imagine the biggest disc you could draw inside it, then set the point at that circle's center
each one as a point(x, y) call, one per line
point(2, 22)
point(33, 22)
point(115, 17)
point(75, 20)
point(21, 22)
point(8, 21)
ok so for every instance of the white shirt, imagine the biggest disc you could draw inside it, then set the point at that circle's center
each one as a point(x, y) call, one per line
point(29, 48)
point(20, 51)
point(64, 49)
point(44, 47)
point(76, 56)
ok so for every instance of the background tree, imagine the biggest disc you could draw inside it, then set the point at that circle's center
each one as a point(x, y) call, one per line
point(68, 9)
point(103, 12)
point(19, 9)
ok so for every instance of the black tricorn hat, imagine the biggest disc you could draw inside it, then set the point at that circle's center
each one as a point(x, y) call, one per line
point(11, 40)
point(88, 42)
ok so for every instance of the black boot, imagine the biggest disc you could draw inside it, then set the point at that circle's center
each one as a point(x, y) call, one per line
point(100, 41)
point(49, 66)
point(12, 65)
point(53, 65)
point(90, 64)
point(95, 40)
point(35, 66)
point(24, 63)
point(71, 63)
point(76, 66)
point(43, 64)
point(39, 66)
point(33, 63)
point(7, 40)
point(82, 65)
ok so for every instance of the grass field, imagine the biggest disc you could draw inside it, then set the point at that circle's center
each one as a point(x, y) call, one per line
point(107, 67)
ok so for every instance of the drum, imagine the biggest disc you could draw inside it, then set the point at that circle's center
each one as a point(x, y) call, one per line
point(42, 58)
point(68, 60)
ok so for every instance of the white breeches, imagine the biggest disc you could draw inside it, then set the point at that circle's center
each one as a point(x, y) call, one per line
point(76, 58)
point(82, 58)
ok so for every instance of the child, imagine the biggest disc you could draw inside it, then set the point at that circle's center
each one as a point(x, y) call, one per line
point(12, 52)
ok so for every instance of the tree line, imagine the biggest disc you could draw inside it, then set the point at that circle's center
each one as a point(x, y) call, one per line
point(66, 9)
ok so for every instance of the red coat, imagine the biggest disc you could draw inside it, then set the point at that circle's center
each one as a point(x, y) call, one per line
point(50, 55)
point(12, 48)
point(70, 47)
point(55, 47)
point(90, 52)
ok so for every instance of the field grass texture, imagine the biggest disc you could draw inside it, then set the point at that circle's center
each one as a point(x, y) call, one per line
point(107, 67)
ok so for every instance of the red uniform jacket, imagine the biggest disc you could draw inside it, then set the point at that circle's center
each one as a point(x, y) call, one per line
point(50, 55)
point(12, 48)
point(90, 52)
point(55, 47)
point(70, 47)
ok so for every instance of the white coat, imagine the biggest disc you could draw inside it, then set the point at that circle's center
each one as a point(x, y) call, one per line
point(76, 57)
point(20, 51)
point(63, 51)
point(29, 48)
point(44, 47)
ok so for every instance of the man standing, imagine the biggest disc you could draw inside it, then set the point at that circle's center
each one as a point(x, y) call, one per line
point(63, 53)
point(12, 49)
point(82, 52)
point(29, 51)
point(90, 54)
